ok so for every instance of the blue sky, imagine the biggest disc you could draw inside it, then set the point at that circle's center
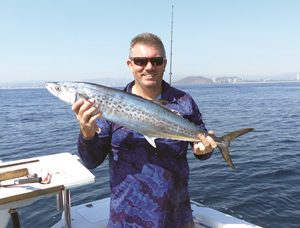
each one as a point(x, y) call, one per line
point(78, 40)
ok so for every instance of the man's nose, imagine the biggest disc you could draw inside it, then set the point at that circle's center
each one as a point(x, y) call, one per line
point(149, 65)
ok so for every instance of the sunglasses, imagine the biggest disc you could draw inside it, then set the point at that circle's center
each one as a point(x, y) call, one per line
point(143, 61)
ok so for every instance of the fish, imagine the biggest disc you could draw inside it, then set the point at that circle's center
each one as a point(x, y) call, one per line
point(147, 117)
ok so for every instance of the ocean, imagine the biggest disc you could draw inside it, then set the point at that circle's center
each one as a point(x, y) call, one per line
point(264, 189)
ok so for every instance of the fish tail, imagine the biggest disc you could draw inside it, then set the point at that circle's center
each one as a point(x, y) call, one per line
point(224, 144)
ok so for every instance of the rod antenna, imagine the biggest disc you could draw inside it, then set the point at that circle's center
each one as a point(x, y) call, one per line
point(171, 50)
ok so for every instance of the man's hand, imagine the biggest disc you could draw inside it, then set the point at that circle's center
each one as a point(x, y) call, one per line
point(206, 144)
point(86, 115)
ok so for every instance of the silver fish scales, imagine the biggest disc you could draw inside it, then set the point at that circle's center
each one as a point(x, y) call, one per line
point(144, 116)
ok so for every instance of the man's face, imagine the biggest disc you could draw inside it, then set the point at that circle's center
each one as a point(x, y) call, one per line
point(147, 75)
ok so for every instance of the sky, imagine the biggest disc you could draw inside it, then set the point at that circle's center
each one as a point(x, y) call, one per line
point(78, 40)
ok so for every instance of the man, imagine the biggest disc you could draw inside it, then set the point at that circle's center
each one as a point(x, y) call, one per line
point(149, 186)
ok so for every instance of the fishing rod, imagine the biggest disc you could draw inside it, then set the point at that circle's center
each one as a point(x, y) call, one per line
point(171, 53)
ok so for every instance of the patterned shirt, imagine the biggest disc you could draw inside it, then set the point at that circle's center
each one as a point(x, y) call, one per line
point(149, 186)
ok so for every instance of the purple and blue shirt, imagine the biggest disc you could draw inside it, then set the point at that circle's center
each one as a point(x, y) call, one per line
point(149, 186)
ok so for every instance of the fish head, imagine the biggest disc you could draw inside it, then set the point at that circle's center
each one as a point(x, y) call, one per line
point(63, 90)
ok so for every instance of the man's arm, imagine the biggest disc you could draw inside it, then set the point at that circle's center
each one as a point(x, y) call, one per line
point(93, 145)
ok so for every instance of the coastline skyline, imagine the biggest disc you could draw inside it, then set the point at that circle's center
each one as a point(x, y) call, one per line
point(71, 40)
point(188, 80)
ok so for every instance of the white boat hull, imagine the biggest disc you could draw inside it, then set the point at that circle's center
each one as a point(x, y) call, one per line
point(96, 215)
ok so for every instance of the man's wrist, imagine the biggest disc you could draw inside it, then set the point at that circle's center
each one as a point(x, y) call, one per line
point(87, 138)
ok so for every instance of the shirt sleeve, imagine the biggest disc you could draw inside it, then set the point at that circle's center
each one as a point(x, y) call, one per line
point(94, 151)
point(196, 118)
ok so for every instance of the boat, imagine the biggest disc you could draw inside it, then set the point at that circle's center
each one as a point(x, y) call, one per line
point(96, 214)
point(66, 176)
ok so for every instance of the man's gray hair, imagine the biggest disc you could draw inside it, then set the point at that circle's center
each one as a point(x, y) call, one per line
point(147, 39)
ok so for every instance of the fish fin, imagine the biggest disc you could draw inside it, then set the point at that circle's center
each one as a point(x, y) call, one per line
point(176, 112)
point(224, 149)
point(162, 102)
point(165, 102)
point(226, 139)
point(232, 135)
point(150, 140)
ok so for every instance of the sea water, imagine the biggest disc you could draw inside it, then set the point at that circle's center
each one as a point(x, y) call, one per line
point(264, 189)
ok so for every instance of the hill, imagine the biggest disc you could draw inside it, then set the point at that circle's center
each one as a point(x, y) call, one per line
point(193, 80)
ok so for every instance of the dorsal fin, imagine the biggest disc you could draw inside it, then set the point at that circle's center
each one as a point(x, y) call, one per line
point(150, 140)
point(161, 102)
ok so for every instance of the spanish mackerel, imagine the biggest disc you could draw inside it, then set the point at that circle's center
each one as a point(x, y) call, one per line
point(147, 117)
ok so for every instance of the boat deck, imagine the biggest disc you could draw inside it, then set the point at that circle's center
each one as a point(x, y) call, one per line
point(96, 214)
point(68, 175)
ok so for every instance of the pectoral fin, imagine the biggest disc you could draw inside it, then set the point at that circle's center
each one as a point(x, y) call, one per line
point(150, 140)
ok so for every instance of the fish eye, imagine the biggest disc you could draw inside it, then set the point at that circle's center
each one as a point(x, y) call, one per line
point(57, 88)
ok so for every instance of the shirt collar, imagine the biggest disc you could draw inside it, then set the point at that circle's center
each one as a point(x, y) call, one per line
point(166, 93)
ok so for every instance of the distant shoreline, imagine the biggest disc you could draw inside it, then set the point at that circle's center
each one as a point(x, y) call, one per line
point(19, 86)
point(234, 83)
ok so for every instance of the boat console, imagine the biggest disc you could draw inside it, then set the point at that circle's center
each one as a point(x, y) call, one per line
point(24, 181)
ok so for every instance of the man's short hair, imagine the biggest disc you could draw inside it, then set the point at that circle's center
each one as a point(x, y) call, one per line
point(148, 39)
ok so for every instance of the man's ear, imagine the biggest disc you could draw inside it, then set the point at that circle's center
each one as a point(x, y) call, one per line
point(130, 64)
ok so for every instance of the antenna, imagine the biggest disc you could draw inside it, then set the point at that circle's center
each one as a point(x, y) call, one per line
point(171, 53)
